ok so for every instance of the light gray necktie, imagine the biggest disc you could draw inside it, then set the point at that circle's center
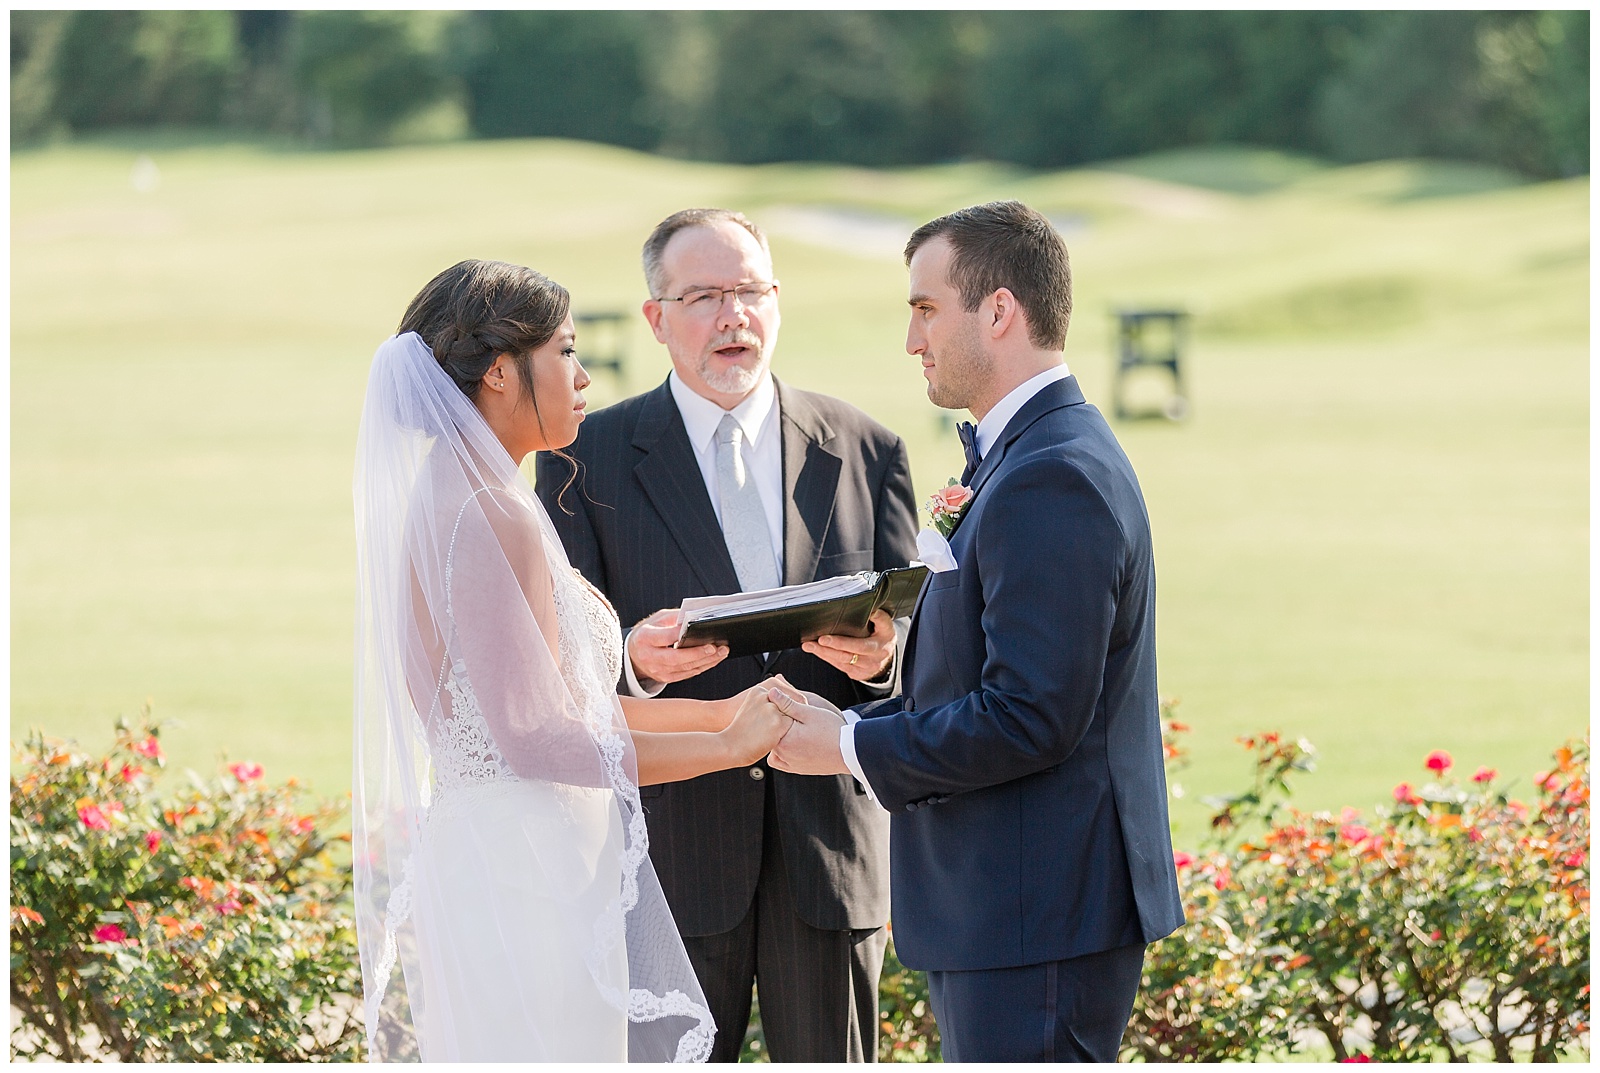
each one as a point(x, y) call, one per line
point(744, 521)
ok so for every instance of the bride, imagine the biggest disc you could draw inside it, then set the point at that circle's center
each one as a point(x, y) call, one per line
point(506, 908)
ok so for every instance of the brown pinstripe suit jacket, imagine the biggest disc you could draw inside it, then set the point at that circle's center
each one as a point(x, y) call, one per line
point(639, 524)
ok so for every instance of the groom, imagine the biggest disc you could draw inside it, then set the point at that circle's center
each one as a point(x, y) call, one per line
point(1022, 763)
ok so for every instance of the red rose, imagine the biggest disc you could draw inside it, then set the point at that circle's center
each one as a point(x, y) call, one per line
point(110, 933)
point(245, 772)
point(93, 818)
point(1485, 774)
point(1439, 762)
point(149, 747)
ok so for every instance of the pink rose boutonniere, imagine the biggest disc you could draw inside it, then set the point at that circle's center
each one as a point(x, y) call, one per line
point(948, 506)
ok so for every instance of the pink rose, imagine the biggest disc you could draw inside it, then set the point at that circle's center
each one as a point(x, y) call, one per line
point(1406, 795)
point(152, 840)
point(149, 747)
point(245, 772)
point(1182, 859)
point(1485, 774)
point(951, 498)
point(1438, 762)
point(1354, 833)
point(93, 818)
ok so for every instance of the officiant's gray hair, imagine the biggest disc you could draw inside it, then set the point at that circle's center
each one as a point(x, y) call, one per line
point(654, 246)
point(1006, 244)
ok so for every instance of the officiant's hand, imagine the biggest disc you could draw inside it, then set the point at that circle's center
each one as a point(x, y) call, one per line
point(650, 649)
point(864, 659)
point(811, 747)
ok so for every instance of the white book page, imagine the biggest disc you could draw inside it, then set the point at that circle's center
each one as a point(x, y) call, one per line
point(700, 608)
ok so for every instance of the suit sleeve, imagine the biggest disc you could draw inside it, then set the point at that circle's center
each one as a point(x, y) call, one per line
point(1051, 558)
point(894, 544)
point(895, 537)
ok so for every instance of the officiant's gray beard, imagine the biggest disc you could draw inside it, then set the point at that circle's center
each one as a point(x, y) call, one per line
point(738, 379)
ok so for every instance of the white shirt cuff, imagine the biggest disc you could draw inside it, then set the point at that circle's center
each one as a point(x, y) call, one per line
point(847, 746)
point(635, 687)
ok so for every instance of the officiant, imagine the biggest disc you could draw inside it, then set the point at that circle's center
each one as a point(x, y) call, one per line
point(723, 479)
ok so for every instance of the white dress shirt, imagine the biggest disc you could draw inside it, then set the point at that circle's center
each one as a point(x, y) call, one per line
point(994, 422)
point(762, 451)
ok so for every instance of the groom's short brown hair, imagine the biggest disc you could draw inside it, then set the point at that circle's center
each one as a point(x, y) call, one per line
point(1006, 244)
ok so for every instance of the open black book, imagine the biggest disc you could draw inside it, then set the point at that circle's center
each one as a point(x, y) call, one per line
point(774, 619)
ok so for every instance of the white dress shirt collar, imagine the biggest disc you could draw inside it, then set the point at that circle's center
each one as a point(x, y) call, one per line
point(994, 422)
point(701, 416)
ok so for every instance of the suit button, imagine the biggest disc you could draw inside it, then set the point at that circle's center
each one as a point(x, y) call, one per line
point(758, 773)
point(911, 806)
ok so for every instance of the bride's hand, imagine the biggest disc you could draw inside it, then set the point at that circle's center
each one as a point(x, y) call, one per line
point(722, 712)
point(757, 726)
point(804, 696)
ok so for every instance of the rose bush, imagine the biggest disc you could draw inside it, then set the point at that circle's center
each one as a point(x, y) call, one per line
point(1453, 924)
point(212, 925)
point(215, 924)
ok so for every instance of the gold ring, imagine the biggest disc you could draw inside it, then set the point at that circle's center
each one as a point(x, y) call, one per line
point(855, 659)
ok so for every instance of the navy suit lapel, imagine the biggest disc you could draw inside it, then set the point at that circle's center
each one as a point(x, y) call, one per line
point(1051, 397)
point(670, 477)
point(810, 481)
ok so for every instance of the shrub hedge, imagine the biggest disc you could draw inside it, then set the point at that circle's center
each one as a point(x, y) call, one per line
point(215, 923)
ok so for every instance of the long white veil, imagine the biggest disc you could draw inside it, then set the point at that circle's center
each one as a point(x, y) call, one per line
point(501, 864)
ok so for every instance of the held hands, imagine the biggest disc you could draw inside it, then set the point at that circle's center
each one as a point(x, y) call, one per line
point(653, 657)
point(864, 659)
point(758, 722)
point(811, 746)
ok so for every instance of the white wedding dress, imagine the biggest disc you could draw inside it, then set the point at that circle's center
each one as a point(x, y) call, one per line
point(506, 906)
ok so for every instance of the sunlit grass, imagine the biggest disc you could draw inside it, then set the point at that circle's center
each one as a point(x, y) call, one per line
point(1372, 532)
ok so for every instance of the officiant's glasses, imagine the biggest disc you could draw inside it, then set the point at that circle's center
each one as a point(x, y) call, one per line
point(708, 300)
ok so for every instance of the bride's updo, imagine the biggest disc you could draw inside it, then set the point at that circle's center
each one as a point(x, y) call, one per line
point(473, 311)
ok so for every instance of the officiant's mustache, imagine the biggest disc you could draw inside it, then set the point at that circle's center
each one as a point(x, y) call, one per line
point(737, 337)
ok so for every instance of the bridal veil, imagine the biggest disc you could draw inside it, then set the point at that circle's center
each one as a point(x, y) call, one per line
point(506, 907)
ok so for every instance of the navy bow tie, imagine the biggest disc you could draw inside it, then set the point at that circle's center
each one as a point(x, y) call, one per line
point(969, 447)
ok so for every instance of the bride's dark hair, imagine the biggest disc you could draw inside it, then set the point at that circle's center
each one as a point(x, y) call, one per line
point(476, 310)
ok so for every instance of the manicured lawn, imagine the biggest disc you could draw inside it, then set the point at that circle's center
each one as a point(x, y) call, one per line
point(1373, 531)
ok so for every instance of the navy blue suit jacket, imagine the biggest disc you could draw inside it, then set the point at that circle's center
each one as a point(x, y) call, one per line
point(1022, 762)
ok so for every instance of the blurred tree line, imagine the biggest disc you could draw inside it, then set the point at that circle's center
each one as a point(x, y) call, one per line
point(1037, 88)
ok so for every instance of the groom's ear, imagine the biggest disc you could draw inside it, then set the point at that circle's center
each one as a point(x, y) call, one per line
point(1002, 311)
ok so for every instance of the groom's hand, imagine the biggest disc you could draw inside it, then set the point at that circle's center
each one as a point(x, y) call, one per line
point(811, 747)
point(864, 659)
point(650, 649)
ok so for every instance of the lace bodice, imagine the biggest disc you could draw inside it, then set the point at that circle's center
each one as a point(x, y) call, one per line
point(589, 639)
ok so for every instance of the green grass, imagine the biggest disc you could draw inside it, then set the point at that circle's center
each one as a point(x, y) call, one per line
point(1373, 531)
